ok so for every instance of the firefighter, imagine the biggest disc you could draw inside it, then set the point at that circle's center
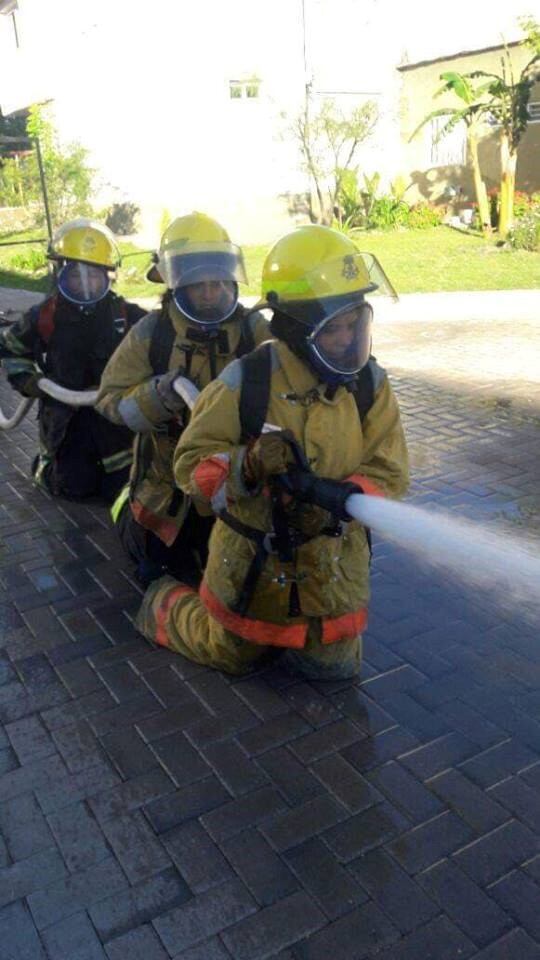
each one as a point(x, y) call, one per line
point(69, 338)
point(198, 329)
point(276, 444)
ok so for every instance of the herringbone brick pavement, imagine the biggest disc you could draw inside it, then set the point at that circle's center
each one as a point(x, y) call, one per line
point(152, 809)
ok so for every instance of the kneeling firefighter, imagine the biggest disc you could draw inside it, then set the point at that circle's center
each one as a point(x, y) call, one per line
point(69, 338)
point(276, 445)
point(198, 329)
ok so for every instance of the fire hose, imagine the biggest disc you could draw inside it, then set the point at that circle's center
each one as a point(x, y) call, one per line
point(81, 398)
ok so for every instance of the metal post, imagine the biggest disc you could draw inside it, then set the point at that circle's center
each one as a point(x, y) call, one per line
point(43, 188)
point(16, 32)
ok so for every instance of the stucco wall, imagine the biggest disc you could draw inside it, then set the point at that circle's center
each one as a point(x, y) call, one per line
point(419, 83)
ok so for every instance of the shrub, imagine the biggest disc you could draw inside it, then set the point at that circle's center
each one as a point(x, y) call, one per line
point(524, 203)
point(28, 261)
point(424, 215)
point(387, 213)
point(526, 232)
point(122, 218)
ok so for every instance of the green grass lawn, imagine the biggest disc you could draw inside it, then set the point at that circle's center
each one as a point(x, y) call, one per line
point(417, 261)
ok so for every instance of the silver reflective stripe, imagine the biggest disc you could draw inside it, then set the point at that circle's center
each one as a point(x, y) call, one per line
point(117, 461)
point(133, 417)
point(232, 375)
point(18, 365)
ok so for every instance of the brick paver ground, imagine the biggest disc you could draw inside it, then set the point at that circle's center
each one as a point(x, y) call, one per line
point(153, 809)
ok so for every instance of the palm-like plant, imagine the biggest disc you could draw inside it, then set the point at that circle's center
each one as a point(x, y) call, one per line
point(508, 107)
point(471, 114)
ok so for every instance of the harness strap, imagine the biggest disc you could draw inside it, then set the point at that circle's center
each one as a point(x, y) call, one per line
point(255, 391)
point(45, 318)
point(283, 543)
point(162, 341)
point(247, 338)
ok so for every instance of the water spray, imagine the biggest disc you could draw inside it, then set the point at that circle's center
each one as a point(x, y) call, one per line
point(484, 559)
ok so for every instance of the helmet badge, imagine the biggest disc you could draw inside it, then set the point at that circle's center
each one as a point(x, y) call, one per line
point(88, 244)
point(350, 268)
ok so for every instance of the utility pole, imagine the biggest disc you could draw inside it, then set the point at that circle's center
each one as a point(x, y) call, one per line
point(307, 75)
point(43, 187)
point(307, 96)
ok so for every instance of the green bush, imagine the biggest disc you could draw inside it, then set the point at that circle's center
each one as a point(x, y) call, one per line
point(524, 203)
point(424, 215)
point(526, 232)
point(122, 218)
point(29, 261)
point(387, 213)
point(69, 179)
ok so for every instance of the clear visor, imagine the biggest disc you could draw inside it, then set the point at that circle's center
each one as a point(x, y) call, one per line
point(180, 265)
point(342, 341)
point(208, 302)
point(83, 283)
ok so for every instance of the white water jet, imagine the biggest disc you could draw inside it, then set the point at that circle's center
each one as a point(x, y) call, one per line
point(482, 559)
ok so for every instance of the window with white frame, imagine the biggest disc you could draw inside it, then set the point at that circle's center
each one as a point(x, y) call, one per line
point(534, 112)
point(244, 89)
point(449, 149)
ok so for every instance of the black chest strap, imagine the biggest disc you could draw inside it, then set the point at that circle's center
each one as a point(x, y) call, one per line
point(255, 391)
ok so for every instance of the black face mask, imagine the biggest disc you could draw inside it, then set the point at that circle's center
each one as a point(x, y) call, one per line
point(291, 332)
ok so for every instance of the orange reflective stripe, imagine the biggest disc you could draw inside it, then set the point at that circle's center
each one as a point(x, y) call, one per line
point(256, 631)
point(162, 613)
point(166, 530)
point(210, 475)
point(346, 627)
point(366, 484)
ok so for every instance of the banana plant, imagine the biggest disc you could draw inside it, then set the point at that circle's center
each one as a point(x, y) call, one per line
point(472, 115)
point(508, 108)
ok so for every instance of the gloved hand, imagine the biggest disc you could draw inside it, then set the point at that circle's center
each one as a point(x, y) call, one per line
point(268, 457)
point(167, 394)
point(323, 492)
point(307, 518)
point(26, 384)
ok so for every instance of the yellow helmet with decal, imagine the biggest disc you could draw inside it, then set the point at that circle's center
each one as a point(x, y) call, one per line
point(315, 280)
point(85, 241)
point(314, 262)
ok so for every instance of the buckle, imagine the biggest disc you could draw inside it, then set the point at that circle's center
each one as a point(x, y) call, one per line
point(269, 542)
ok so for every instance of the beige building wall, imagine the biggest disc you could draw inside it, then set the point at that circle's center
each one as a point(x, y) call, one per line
point(425, 164)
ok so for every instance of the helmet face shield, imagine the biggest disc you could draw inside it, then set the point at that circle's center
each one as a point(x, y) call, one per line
point(341, 342)
point(83, 283)
point(204, 278)
point(181, 264)
point(207, 302)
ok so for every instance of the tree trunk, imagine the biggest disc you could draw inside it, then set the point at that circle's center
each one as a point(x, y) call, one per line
point(508, 185)
point(479, 185)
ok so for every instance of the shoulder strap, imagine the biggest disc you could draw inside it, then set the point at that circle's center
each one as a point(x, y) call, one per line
point(246, 342)
point(161, 343)
point(45, 319)
point(363, 391)
point(255, 390)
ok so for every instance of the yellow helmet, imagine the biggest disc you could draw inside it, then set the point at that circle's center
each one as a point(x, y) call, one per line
point(193, 247)
point(87, 242)
point(314, 263)
point(315, 279)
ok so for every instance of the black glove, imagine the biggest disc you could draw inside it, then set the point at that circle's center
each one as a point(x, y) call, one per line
point(26, 383)
point(323, 492)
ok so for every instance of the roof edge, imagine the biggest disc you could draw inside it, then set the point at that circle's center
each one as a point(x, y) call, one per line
point(460, 53)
